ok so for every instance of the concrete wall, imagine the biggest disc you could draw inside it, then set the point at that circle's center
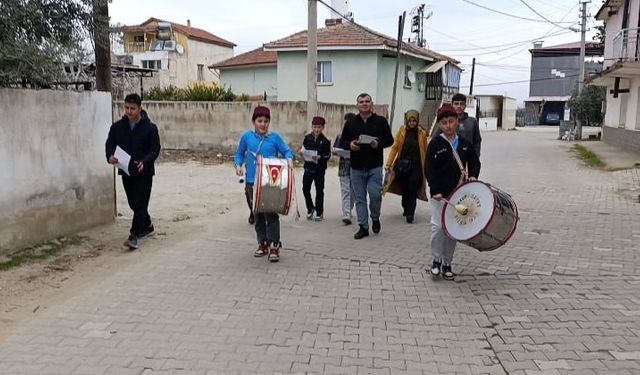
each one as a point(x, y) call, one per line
point(218, 126)
point(54, 178)
point(612, 27)
point(252, 81)
point(509, 108)
point(628, 140)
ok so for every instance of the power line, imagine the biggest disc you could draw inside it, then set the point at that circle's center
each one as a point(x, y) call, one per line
point(522, 81)
point(507, 14)
point(515, 44)
point(545, 18)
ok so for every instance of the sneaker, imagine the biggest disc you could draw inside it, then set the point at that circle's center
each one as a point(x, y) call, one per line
point(310, 215)
point(447, 274)
point(274, 252)
point(346, 220)
point(147, 232)
point(409, 219)
point(262, 250)
point(376, 226)
point(132, 242)
point(361, 233)
point(252, 219)
point(435, 268)
point(319, 217)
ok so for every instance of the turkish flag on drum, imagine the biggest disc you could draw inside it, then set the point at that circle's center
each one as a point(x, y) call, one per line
point(273, 190)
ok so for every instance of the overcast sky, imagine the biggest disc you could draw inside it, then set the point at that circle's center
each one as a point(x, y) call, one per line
point(456, 28)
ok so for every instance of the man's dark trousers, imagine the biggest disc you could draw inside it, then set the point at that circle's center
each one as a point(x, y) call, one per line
point(138, 189)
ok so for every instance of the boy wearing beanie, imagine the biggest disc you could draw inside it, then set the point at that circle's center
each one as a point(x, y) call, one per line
point(314, 170)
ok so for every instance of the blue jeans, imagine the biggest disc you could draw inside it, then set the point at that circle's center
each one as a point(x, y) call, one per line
point(365, 181)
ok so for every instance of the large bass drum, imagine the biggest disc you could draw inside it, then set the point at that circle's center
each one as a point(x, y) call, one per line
point(274, 186)
point(490, 220)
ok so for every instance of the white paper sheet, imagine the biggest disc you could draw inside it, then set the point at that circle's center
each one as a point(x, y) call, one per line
point(309, 154)
point(341, 152)
point(364, 139)
point(123, 159)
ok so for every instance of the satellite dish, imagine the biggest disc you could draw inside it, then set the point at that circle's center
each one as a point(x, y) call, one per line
point(411, 76)
point(179, 49)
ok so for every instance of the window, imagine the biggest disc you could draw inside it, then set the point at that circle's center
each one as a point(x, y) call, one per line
point(407, 74)
point(200, 72)
point(138, 39)
point(152, 64)
point(324, 72)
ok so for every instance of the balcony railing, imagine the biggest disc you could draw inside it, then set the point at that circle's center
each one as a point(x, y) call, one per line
point(137, 47)
point(625, 45)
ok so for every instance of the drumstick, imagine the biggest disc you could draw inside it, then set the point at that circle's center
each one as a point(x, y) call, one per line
point(460, 208)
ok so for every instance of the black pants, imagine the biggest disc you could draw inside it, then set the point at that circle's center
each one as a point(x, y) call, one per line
point(248, 193)
point(316, 178)
point(138, 191)
point(410, 182)
point(267, 225)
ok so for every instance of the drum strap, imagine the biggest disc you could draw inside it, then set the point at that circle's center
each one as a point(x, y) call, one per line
point(463, 171)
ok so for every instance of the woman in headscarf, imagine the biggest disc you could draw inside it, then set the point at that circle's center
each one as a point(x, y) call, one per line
point(405, 165)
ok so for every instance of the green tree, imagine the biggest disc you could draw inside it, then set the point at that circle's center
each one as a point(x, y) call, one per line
point(38, 36)
point(586, 106)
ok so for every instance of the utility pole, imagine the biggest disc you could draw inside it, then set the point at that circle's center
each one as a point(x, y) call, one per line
point(583, 30)
point(473, 74)
point(395, 79)
point(101, 41)
point(417, 25)
point(312, 60)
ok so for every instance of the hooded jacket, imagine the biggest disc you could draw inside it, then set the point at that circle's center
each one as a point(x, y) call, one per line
point(142, 143)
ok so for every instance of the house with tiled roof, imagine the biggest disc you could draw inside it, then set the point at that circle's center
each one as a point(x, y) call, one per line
point(181, 53)
point(351, 59)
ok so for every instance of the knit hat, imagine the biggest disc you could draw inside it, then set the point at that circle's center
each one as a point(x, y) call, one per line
point(318, 120)
point(411, 113)
point(446, 110)
point(261, 111)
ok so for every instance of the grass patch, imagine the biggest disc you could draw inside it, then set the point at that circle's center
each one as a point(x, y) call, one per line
point(589, 157)
point(40, 252)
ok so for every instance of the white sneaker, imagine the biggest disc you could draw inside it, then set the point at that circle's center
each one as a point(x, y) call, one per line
point(310, 215)
point(319, 218)
point(435, 268)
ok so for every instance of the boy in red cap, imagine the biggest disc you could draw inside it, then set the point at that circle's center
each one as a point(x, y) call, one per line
point(260, 141)
point(451, 160)
point(314, 170)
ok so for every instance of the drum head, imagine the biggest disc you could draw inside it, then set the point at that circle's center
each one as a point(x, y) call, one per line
point(479, 199)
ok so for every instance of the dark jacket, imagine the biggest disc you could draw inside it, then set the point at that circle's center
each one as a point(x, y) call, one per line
point(142, 143)
point(443, 172)
point(323, 146)
point(468, 129)
point(367, 157)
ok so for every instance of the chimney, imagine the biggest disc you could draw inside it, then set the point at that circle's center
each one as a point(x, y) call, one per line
point(537, 44)
point(188, 23)
point(332, 21)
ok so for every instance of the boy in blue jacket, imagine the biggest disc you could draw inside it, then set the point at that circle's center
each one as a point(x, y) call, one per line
point(268, 144)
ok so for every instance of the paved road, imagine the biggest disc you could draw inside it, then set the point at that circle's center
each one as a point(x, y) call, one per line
point(562, 297)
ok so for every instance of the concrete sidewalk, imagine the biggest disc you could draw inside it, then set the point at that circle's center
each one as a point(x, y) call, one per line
point(613, 157)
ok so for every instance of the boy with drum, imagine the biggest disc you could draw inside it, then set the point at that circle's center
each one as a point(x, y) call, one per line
point(451, 160)
point(267, 144)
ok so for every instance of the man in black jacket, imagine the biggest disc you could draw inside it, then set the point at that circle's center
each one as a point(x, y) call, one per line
point(136, 135)
point(468, 127)
point(366, 135)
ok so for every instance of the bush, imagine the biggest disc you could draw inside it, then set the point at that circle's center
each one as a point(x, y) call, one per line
point(195, 92)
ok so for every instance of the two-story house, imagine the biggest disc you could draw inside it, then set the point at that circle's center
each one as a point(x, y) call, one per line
point(621, 74)
point(181, 53)
point(351, 59)
point(554, 78)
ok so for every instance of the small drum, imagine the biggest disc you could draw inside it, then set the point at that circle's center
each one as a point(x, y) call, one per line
point(273, 188)
point(490, 220)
